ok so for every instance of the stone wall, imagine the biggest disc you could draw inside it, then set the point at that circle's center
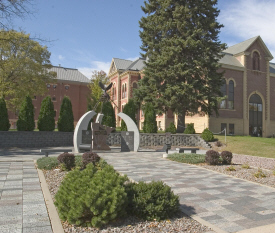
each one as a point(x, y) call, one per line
point(35, 139)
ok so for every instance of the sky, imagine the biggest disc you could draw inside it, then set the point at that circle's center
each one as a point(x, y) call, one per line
point(87, 34)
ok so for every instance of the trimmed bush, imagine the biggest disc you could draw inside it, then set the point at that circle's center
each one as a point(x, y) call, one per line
point(90, 157)
point(207, 135)
point(47, 163)
point(172, 128)
point(130, 110)
point(212, 157)
point(152, 201)
point(66, 117)
point(109, 118)
point(226, 157)
point(46, 120)
point(25, 120)
point(150, 123)
point(92, 197)
point(67, 159)
point(4, 118)
point(190, 129)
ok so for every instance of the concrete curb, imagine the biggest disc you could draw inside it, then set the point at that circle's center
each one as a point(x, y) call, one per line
point(53, 215)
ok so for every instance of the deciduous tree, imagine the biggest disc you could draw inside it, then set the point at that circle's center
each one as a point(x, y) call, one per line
point(180, 40)
point(24, 67)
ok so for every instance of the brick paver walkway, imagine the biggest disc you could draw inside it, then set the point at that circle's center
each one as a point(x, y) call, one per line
point(228, 203)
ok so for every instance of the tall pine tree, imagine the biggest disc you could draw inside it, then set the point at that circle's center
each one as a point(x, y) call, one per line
point(66, 117)
point(180, 40)
point(25, 120)
point(46, 120)
point(4, 118)
point(130, 110)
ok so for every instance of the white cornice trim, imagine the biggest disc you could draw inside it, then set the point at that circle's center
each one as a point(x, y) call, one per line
point(272, 75)
point(225, 66)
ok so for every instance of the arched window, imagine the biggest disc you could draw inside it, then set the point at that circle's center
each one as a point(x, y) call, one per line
point(135, 85)
point(223, 91)
point(231, 95)
point(256, 61)
point(122, 91)
point(125, 89)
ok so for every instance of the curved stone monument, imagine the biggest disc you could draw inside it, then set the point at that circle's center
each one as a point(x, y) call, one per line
point(82, 124)
point(131, 126)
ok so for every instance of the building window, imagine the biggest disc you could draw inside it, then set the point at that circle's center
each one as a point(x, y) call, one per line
point(159, 126)
point(48, 85)
point(122, 107)
point(135, 86)
point(256, 61)
point(54, 113)
point(231, 129)
point(114, 93)
point(66, 87)
point(53, 98)
point(34, 97)
point(223, 126)
point(231, 95)
point(125, 89)
point(223, 91)
point(54, 86)
point(122, 91)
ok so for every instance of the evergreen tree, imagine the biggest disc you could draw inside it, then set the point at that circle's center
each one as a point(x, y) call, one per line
point(180, 40)
point(46, 120)
point(109, 118)
point(4, 118)
point(150, 123)
point(66, 117)
point(130, 110)
point(25, 120)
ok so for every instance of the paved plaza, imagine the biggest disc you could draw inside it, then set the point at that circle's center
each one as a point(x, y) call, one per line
point(222, 202)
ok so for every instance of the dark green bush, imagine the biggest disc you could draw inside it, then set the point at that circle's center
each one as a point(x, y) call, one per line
point(212, 157)
point(46, 120)
point(130, 109)
point(67, 159)
point(90, 157)
point(190, 129)
point(25, 120)
point(150, 123)
point(92, 197)
point(47, 163)
point(153, 200)
point(66, 117)
point(4, 118)
point(187, 158)
point(226, 157)
point(207, 135)
point(109, 118)
point(172, 128)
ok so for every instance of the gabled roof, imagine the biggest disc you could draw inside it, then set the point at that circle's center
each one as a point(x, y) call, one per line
point(272, 68)
point(241, 47)
point(229, 59)
point(69, 74)
point(137, 65)
point(121, 64)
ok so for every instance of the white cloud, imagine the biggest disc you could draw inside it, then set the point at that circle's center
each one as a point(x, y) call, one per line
point(245, 19)
point(95, 65)
point(60, 57)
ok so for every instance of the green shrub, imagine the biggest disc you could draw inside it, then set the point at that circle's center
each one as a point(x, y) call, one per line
point(207, 135)
point(4, 118)
point(152, 201)
point(109, 118)
point(47, 163)
point(46, 120)
point(212, 157)
point(90, 157)
point(130, 110)
point(25, 120)
point(67, 159)
point(190, 129)
point(260, 173)
point(231, 168)
point(187, 158)
point(66, 117)
point(92, 197)
point(78, 161)
point(226, 157)
point(150, 123)
point(172, 128)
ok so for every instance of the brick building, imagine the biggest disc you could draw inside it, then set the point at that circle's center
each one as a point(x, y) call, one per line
point(69, 82)
point(249, 85)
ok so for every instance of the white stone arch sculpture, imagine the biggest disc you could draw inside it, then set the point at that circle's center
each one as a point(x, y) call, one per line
point(131, 126)
point(82, 124)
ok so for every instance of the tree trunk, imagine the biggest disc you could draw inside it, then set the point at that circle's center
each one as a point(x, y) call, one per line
point(181, 122)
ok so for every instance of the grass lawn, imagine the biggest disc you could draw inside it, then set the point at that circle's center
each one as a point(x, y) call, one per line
point(247, 145)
